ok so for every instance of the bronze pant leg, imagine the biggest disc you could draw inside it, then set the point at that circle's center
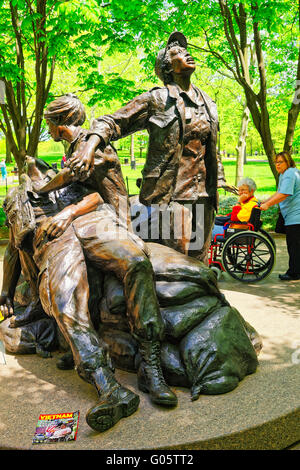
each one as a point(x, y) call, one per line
point(118, 251)
point(189, 232)
point(175, 226)
point(121, 255)
point(11, 270)
point(64, 293)
point(205, 226)
point(30, 272)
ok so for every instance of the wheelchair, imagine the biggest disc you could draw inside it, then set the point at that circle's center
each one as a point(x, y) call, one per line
point(245, 251)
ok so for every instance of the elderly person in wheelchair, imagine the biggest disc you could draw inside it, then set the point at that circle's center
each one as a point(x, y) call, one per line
point(241, 212)
point(239, 245)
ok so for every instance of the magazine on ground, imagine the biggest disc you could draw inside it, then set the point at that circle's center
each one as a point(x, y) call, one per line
point(58, 427)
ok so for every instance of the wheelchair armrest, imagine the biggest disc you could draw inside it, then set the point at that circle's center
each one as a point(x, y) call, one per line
point(240, 226)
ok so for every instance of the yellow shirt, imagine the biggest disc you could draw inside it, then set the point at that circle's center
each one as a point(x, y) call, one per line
point(242, 211)
point(246, 209)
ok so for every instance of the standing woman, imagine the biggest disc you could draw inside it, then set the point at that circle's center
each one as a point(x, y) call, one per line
point(3, 170)
point(288, 198)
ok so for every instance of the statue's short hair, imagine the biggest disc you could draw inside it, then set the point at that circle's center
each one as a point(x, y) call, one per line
point(66, 110)
point(248, 182)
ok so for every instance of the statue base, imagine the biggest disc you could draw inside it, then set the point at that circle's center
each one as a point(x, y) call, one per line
point(261, 413)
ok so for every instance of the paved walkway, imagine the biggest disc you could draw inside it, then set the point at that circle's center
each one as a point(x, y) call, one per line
point(263, 412)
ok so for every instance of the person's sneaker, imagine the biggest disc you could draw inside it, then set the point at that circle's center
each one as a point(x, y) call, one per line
point(288, 277)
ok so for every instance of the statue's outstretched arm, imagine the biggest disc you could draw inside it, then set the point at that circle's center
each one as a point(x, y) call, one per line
point(127, 120)
point(60, 180)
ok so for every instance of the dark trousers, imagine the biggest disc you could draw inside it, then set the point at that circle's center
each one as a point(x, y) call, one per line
point(293, 247)
point(202, 225)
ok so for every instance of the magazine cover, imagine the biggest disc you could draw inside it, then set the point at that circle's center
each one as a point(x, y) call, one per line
point(56, 428)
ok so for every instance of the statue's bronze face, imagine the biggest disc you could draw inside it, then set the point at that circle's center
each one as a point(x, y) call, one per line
point(54, 131)
point(181, 61)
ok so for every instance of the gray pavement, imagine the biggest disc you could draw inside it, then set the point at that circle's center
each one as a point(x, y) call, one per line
point(263, 412)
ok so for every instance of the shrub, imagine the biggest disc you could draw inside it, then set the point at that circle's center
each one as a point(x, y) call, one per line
point(2, 217)
point(226, 203)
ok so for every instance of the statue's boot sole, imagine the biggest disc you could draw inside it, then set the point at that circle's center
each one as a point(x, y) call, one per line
point(66, 362)
point(106, 414)
point(162, 399)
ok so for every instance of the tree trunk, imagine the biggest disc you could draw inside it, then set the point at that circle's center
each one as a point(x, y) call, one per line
point(132, 157)
point(266, 137)
point(8, 158)
point(20, 159)
point(294, 109)
point(241, 146)
point(290, 131)
point(260, 117)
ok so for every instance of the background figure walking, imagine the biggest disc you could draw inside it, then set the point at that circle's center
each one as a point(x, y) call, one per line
point(3, 171)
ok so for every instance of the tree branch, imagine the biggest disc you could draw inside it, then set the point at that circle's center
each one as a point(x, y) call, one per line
point(231, 38)
point(14, 111)
point(20, 62)
point(262, 95)
point(50, 78)
point(215, 54)
point(8, 132)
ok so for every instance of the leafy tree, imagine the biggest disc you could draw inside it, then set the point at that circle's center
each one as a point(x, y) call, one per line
point(47, 44)
point(35, 36)
point(260, 23)
point(228, 33)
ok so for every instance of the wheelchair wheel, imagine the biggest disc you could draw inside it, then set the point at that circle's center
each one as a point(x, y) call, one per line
point(248, 256)
point(268, 236)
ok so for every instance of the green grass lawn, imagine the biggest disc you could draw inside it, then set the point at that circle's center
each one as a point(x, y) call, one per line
point(258, 170)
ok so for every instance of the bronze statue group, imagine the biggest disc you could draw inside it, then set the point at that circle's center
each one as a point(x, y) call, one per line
point(63, 223)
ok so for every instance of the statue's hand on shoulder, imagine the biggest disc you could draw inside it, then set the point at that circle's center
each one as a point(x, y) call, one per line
point(81, 162)
point(6, 306)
